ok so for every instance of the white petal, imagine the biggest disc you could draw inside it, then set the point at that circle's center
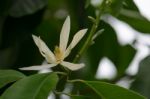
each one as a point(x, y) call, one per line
point(38, 67)
point(44, 50)
point(64, 35)
point(78, 36)
point(72, 66)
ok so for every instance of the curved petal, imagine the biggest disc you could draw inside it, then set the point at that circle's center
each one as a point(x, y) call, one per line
point(44, 50)
point(38, 67)
point(64, 35)
point(78, 36)
point(72, 66)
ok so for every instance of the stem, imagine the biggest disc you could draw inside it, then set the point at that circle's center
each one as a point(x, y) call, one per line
point(89, 38)
point(75, 80)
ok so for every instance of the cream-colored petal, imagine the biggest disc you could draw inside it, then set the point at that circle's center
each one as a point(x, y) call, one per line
point(67, 52)
point(38, 67)
point(64, 35)
point(72, 66)
point(44, 50)
point(78, 36)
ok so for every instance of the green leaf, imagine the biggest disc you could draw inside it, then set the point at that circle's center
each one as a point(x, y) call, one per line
point(8, 76)
point(129, 4)
point(112, 91)
point(142, 81)
point(131, 15)
point(25, 7)
point(115, 7)
point(124, 57)
point(135, 20)
point(37, 86)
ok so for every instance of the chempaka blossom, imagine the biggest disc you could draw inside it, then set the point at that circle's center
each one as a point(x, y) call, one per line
point(61, 51)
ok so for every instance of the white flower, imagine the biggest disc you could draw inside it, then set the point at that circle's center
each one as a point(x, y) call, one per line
point(61, 51)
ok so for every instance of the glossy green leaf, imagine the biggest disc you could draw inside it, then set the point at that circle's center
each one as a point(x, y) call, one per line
point(135, 20)
point(8, 76)
point(25, 7)
point(37, 86)
point(142, 81)
point(112, 91)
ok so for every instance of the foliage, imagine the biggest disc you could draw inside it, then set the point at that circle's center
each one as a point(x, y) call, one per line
point(19, 19)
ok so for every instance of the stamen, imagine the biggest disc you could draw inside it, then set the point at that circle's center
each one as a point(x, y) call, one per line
point(58, 54)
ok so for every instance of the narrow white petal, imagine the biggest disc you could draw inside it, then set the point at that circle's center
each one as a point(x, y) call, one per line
point(38, 67)
point(44, 50)
point(67, 52)
point(72, 66)
point(78, 36)
point(64, 35)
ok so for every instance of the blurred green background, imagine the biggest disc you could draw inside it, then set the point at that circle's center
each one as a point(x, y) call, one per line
point(19, 19)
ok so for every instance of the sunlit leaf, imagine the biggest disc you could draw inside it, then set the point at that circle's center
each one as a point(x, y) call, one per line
point(37, 86)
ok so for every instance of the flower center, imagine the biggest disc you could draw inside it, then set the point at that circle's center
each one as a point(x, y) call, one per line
point(58, 54)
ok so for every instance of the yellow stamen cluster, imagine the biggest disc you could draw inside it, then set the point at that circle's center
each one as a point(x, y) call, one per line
point(58, 54)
